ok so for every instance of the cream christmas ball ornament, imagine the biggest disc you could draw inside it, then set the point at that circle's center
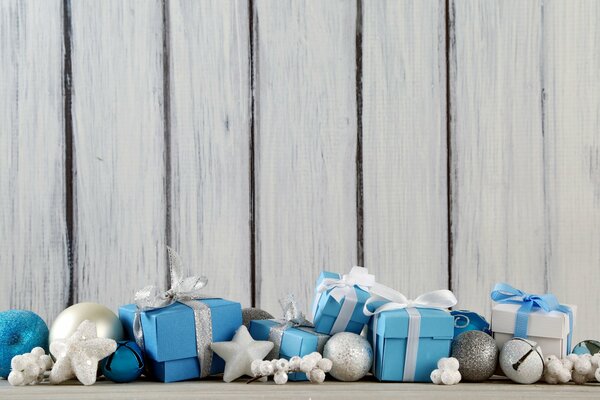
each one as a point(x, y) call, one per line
point(108, 325)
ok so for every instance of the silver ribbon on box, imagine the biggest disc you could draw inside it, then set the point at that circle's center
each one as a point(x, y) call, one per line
point(438, 299)
point(343, 289)
point(292, 318)
point(186, 291)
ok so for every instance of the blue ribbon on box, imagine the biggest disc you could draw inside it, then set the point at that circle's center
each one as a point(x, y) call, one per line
point(186, 291)
point(505, 293)
point(438, 299)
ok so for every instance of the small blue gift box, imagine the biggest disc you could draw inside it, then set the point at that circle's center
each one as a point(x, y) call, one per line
point(390, 341)
point(294, 342)
point(170, 336)
point(327, 311)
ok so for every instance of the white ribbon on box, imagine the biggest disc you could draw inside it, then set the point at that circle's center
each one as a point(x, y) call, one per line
point(343, 288)
point(438, 299)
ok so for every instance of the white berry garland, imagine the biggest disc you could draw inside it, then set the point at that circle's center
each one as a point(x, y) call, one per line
point(447, 372)
point(578, 368)
point(313, 365)
point(29, 368)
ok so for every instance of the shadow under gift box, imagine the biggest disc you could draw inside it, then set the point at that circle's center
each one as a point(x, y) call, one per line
point(294, 342)
point(435, 338)
point(328, 309)
point(170, 336)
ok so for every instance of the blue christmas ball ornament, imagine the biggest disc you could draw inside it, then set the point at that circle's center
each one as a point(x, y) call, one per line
point(20, 331)
point(465, 321)
point(126, 364)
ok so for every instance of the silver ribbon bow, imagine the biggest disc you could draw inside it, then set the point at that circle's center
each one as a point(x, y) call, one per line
point(186, 291)
point(293, 317)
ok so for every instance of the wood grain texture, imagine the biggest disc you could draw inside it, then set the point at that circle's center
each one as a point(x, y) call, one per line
point(498, 218)
point(33, 232)
point(572, 149)
point(305, 145)
point(214, 388)
point(119, 157)
point(210, 142)
point(404, 144)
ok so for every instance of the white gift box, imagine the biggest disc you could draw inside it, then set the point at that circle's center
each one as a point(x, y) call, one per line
point(549, 329)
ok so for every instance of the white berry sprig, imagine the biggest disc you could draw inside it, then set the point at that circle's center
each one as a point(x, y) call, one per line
point(313, 365)
point(29, 368)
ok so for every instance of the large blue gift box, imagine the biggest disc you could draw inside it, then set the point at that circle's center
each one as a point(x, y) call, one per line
point(294, 341)
point(390, 342)
point(326, 309)
point(170, 336)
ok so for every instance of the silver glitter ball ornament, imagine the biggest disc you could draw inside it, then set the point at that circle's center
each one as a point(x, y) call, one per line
point(351, 355)
point(477, 354)
point(251, 313)
point(522, 361)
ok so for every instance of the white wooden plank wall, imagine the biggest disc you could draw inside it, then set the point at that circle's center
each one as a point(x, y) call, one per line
point(305, 144)
point(497, 153)
point(210, 142)
point(33, 232)
point(404, 144)
point(119, 161)
point(572, 148)
point(442, 144)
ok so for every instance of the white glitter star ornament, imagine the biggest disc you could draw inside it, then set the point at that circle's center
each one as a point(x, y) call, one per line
point(78, 355)
point(240, 352)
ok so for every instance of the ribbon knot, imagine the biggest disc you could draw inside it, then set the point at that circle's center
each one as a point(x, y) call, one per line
point(293, 317)
point(505, 293)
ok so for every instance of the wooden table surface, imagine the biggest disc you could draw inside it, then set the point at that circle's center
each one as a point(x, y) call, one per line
point(366, 390)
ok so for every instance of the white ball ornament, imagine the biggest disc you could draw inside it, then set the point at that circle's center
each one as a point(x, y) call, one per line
point(317, 375)
point(436, 376)
point(522, 361)
point(325, 364)
point(108, 325)
point(280, 378)
point(597, 374)
point(294, 363)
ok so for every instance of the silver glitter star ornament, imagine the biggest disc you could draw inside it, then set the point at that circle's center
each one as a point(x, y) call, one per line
point(78, 355)
point(240, 352)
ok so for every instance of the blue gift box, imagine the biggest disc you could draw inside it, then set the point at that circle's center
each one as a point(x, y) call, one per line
point(294, 341)
point(390, 342)
point(326, 309)
point(170, 336)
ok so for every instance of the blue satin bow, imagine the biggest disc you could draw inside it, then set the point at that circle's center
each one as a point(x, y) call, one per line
point(505, 293)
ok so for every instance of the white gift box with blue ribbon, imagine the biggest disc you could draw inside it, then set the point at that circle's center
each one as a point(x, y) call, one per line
point(410, 336)
point(339, 301)
point(540, 318)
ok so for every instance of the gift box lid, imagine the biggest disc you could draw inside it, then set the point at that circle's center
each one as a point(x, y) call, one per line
point(553, 324)
point(435, 323)
point(169, 332)
point(295, 341)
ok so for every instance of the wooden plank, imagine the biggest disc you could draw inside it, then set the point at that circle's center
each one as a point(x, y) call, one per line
point(572, 146)
point(118, 136)
point(210, 142)
point(33, 231)
point(304, 55)
point(498, 217)
point(214, 388)
point(404, 144)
